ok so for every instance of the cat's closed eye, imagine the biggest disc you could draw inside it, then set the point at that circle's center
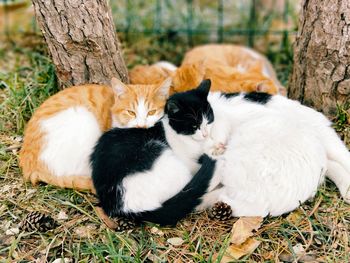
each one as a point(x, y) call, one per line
point(132, 113)
point(152, 112)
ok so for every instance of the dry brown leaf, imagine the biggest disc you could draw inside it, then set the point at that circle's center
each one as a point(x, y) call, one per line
point(175, 241)
point(243, 229)
point(238, 251)
point(294, 217)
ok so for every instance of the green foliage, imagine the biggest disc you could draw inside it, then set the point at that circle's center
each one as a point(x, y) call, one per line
point(24, 86)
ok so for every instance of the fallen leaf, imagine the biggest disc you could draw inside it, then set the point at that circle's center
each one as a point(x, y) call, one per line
point(175, 241)
point(85, 231)
point(243, 229)
point(62, 215)
point(238, 251)
point(298, 249)
point(157, 231)
point(12, 231)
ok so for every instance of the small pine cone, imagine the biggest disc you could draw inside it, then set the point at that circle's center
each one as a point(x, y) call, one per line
point(123, 224)
point(221, 211)
point(37, 221)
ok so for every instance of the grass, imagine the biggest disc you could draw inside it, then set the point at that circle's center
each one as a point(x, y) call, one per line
point(27, 78)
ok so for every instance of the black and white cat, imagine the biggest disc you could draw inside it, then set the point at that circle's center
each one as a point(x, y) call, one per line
point(276, 151)
point(137, 175)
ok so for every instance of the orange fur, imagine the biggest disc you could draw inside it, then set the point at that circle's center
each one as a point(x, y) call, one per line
point(222, 64)
point(98, 99)
point(234, 68)
point(144, 74)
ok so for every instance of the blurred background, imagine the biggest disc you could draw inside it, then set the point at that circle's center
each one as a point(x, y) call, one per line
point(164, 29)
point(150, 31)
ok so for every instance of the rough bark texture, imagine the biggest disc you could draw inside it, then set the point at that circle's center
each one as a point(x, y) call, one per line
point(321, 73)
point(82, 40)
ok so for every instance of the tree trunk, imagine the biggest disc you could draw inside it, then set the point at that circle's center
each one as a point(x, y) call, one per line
point(321, 73)
point(82, 40)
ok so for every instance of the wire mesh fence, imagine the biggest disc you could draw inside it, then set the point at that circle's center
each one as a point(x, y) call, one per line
point(203, 21)
point(163, 29)
point(195, 20)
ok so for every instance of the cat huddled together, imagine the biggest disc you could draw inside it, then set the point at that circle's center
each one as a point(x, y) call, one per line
point(256, 177)
point(262, 154)
point(62, 132)
point(231, 68)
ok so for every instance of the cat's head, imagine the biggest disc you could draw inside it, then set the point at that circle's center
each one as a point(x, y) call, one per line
point(190, 113)
point(188, 76)
point(138, 106)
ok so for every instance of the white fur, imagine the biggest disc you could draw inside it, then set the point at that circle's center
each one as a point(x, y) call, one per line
point(145, 191)
point(266, 69)
point(276, 156)
point(70, 136)
point(186, 148)
point(167, 65)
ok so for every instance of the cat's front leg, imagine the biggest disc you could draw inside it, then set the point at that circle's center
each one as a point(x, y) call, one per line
point(219, 135)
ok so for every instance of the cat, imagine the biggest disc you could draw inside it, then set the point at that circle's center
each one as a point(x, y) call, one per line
point(151, 74)
point(137, 175)
point(256, 177)
point(252, 71)
point(239, 58)
point(276, 151)
point(62, 132)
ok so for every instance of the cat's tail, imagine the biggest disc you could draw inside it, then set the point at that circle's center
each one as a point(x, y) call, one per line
point(184, 202)
point(338, 164)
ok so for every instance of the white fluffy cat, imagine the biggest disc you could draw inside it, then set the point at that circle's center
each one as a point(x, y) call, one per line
point(276, 153)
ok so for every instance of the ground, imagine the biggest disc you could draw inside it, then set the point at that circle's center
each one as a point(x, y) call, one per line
point(319, 227)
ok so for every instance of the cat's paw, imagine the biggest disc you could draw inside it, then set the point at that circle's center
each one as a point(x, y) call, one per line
point(214, 149)
point(218, 149)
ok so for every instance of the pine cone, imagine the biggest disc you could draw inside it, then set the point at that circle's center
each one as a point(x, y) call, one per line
point(221, 211)
point(37, 221)
point(123, 224)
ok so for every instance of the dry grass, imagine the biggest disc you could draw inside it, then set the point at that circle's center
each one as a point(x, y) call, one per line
point(321, 226)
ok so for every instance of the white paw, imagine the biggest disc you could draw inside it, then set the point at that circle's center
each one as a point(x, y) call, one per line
point(218, 149)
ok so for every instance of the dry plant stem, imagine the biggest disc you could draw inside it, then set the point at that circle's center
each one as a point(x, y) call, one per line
point(82, 41)
point(321, 73)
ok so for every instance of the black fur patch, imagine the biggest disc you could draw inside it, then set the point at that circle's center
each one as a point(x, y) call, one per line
point(186, 110)
point(118, 153)
point(230, 95)
point(258, 97)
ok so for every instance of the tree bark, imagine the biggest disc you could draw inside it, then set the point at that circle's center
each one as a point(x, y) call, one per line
point(321, 72)
point(82, 40)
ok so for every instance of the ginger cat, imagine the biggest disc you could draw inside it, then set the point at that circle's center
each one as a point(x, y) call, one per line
point(61, 134)
point(230, 68)
point(235, 61)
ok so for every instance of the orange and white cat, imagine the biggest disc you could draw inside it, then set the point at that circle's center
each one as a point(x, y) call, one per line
point(61, 134)
point(231, 68)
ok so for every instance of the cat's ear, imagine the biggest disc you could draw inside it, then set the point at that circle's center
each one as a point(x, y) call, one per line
point(171, 107)
point(118, 87)
point(164, 87)
point(204, 87)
